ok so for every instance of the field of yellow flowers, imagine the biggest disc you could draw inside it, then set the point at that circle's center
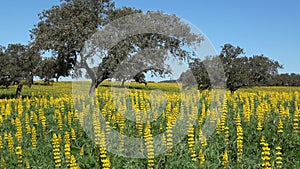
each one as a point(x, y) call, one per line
point(49, 127)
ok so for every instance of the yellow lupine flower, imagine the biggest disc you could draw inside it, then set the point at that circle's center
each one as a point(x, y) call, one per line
point(169, 137)
point(10, 141)
point(60, 122)
point(280, 126)
point(19, 134)
point(225, 159)
point(44, 125)
point(191, 142)
point(12, 122)
point(266, 156)
point(296, 121)
point(1, 142)
point(81, 153)
point(259, 126)
point(69, 118)
point(202, 138)
point(239, 142)
point(20, 107)
point(73, 164)
point(27, 124)
point(56, 150)
point(67, 148)
point(149, 145)
point(201, 157)
point(1, 120)
point(73, 134)
point(34, 117)
point(19, 152)
point(33, 138)
point(27, 165)
point(278, 161)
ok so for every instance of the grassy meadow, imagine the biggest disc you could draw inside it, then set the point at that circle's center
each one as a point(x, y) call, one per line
point(51, 127)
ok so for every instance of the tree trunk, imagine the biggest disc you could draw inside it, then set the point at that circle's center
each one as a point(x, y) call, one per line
point(19, 89)
point(123, 83)
point(92, 88)
point(30, 83)
point(96, 80)
point(94, 85)
point(92, 75)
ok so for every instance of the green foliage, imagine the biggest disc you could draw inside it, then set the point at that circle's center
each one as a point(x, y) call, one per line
point(285, 80)
point(46, 69)
point(239, 70)
point(19, 62)
point(65, 30)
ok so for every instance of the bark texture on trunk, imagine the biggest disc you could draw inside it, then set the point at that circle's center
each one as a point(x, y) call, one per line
point(92, 88)
point(19, 89)
point(94, 85)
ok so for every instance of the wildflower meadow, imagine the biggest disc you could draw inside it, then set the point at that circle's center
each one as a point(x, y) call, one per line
point(50, 128)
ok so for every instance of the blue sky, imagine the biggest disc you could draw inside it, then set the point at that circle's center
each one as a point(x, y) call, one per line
point(264, 27)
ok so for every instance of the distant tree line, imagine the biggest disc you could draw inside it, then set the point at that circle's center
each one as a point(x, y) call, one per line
point(239, 71)
point(285, 79)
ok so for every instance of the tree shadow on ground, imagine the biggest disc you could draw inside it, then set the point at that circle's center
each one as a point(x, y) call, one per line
point(126, 86)
point(13, 96)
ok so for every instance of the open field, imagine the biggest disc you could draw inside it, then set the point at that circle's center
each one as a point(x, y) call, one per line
point(51, 127)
